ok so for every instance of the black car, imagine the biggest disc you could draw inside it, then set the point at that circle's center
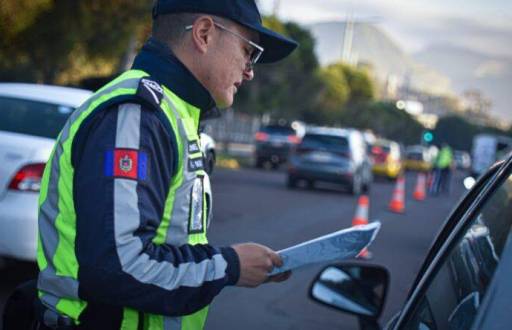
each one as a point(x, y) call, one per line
point(273, 144)
point(464, 282)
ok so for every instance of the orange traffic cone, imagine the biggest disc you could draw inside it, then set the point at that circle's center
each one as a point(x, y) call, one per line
point(361, 218)
point(397, 204)
point(420, 190)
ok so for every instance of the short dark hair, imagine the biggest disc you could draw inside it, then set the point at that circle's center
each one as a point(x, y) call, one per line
point(170, 28)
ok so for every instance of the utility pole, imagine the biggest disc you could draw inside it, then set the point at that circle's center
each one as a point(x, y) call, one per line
point(277, 5)
point(348, 38)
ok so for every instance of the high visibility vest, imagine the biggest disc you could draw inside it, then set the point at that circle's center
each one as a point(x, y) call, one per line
point(186, 204)
point(444, 158)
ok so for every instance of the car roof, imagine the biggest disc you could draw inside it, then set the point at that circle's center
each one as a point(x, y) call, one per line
point(384, 142)
point(345, 132)
point(67, 96)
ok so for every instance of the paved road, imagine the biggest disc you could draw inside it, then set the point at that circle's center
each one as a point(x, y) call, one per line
point(252, 205)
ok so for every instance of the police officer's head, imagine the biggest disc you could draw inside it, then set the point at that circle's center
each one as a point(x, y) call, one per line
point(219, 41)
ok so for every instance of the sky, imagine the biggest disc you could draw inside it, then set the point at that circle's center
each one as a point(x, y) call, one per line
point(481, 25)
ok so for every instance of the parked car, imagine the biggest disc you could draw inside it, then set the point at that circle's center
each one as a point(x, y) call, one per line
point(417, 159)
point(208, 149)
point(464, 282)
point(387, 158)
point(462, 160)
point(331, 155)
point(273, 144)
point(31, 117)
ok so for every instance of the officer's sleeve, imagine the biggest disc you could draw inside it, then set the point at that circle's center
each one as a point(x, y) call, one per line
point(124, 160)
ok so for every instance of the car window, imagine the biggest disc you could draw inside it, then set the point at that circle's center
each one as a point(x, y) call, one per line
point(325, 142)
point(453, 297)
point(32, 117)
point(281, 130)
point(415, 155)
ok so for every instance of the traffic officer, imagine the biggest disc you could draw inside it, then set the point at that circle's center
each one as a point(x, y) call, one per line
point(443, 166)
point(125, 201)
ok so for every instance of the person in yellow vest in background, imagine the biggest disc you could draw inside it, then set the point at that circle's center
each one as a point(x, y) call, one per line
point(125, 202)
point(443, 167)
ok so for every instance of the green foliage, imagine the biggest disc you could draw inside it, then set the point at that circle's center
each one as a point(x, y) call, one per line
point(384, 119)
point(459, 133)
point(52, 36)
point(335, 92)
point(288, 89)
point(344, 86)
point(362, 88)
point(62, 41)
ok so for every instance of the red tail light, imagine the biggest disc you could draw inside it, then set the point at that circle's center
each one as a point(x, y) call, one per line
point(28, 178)
point(293, 139)
point(261, 137)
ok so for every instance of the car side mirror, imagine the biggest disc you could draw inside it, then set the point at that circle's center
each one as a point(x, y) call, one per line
point(358, 289)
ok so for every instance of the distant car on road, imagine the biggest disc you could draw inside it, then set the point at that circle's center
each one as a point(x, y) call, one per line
point(31, 117)
point(331, 155)
point(417, 159)
point(464, 282)
point(387, 158)
point(462, 160)
point(273, 144)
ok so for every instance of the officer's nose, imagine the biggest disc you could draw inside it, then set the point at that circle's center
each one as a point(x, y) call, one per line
point(249, 73)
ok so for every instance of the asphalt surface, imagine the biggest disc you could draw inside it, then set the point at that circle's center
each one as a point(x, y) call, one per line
point(252, 205)
point(255, 205)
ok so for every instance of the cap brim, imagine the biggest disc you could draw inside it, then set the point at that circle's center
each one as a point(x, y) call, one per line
point(276, 46)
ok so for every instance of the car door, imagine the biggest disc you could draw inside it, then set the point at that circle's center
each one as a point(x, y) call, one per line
point(454, 280)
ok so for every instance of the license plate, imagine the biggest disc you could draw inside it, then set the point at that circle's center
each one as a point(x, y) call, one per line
point(320, 157)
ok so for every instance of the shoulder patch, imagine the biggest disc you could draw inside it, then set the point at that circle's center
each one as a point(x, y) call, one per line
point(151, 91)
point(126, 164)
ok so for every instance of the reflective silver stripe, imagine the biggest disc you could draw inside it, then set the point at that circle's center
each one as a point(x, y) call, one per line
point(177, 233)
point(60, 286)
point(128, 126)
point(172, 323)
point(127, 221)
point(49, 210)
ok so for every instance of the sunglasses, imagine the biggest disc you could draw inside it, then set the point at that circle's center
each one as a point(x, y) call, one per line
point(257, 50)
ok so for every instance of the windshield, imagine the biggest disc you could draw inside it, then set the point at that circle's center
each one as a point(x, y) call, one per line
point(325, 142)
point(32, 117)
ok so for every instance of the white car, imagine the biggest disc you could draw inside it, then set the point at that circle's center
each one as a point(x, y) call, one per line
point(31, 117)
point(208, 149)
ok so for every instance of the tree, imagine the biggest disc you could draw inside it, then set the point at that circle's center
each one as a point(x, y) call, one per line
point(384, 119)
point(335, 92)
point(362, 87)
point(59, 38)
point(288, 89)
point(459, 132)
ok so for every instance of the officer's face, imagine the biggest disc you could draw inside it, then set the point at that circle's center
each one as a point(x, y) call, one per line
point(230, 59)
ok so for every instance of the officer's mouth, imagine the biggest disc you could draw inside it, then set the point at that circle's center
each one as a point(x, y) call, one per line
point(237, 86)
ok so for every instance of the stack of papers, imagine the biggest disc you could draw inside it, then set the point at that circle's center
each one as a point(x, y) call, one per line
point(337, 246)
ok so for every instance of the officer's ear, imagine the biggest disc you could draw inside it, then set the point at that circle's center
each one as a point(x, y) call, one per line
point(203, 33)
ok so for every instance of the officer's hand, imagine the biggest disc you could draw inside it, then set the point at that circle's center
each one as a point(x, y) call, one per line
point(256, 261)
point(280, 277)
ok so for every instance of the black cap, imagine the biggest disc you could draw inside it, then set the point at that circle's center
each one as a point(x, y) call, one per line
point(244, 12)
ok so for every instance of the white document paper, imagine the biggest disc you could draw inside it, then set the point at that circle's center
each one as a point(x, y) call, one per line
point(340, 245)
